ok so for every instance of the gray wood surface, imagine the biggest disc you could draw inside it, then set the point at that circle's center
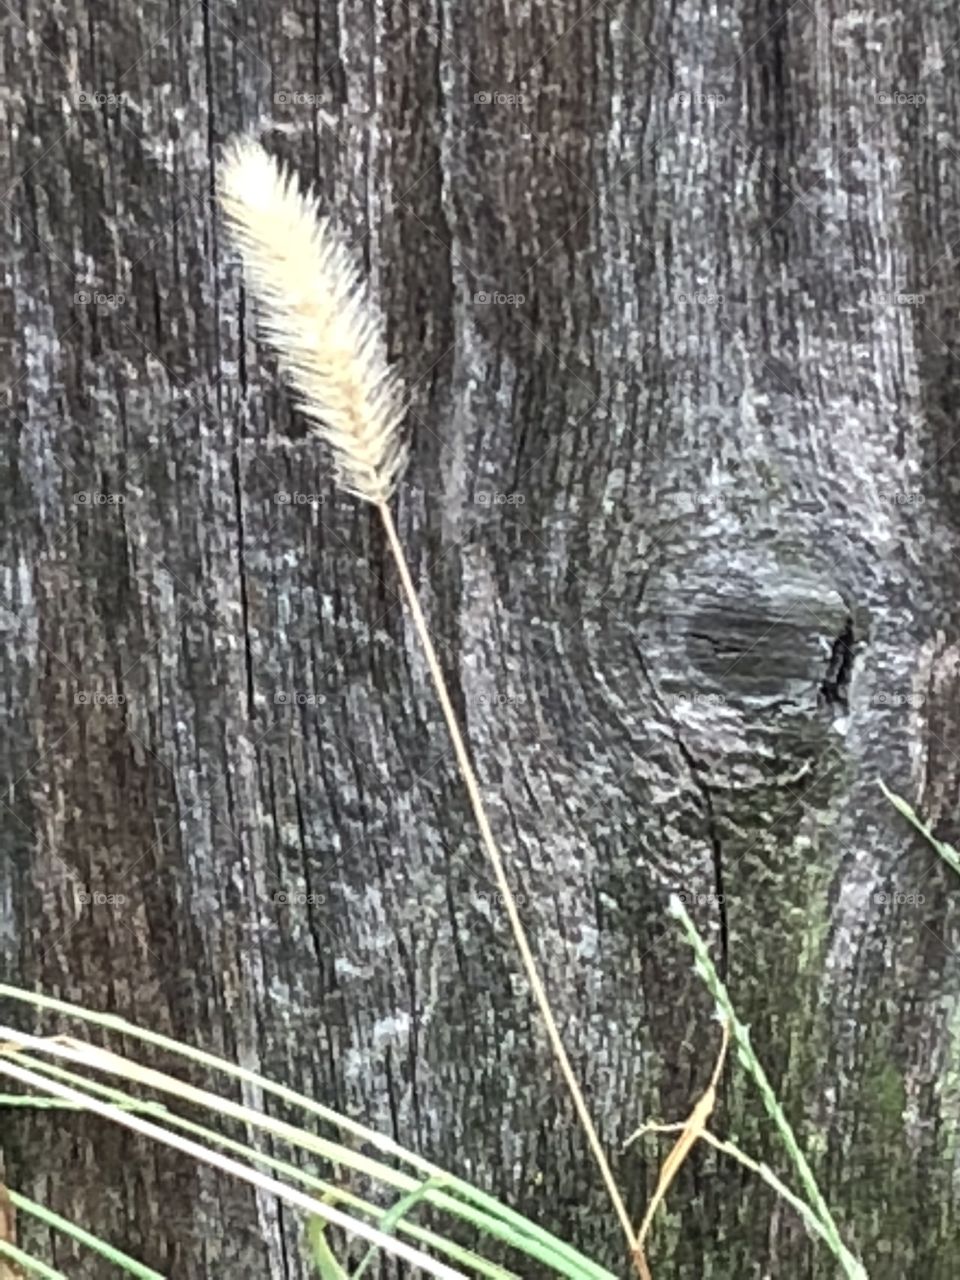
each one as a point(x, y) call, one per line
point(684, 511)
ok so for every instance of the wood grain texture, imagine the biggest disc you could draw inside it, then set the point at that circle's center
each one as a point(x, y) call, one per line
point(685, 516)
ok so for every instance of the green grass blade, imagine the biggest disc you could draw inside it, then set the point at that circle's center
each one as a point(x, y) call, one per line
point(31, 1265)
point(38, 1104)
point(455, 1252)
point(328, 1268)
point(800, 1207)
point(390, 1220)
point(58, 1104)
point(946, 851)
point(853, 1268)
point(227, 1165)
point(330, 1192)
point(102, 1247)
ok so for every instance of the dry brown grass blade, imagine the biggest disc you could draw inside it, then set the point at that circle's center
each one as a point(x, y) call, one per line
point(496, 862)
point(692, 1130)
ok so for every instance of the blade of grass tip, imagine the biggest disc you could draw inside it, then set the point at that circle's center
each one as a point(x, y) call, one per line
point(569, 1261)
point(33, 1266)
point(705, 968)
point(322, 1255)
point(332, 1194)
point(391, 1219)
point(92, 1242)
point(946, 851)
point(233, 1167)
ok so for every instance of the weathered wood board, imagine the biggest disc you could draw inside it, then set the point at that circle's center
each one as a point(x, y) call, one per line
point(675, 291)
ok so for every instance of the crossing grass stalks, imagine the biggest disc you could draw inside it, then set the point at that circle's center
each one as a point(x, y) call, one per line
point(34, 1062)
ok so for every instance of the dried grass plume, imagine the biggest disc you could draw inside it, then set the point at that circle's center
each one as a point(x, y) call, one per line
point(326, 333)
point(316, 313)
